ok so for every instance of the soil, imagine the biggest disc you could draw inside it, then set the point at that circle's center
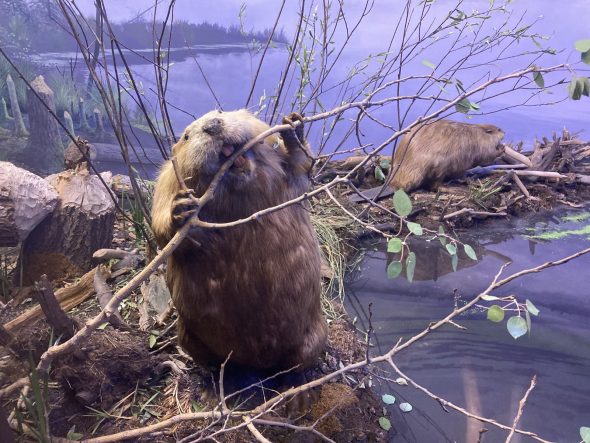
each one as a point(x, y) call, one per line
point(118, 379)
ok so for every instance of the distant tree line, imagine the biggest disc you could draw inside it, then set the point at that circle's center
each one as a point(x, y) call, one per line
point(35, 26)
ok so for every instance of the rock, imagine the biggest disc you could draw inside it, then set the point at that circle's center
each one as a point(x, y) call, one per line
point(25, 200)
point(63, 244)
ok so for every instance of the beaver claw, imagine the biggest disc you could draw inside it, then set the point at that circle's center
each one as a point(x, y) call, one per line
point(290, 120)
point(183, 207)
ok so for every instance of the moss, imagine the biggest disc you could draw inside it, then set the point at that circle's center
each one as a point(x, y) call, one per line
point(556, 235)
point(580, 217)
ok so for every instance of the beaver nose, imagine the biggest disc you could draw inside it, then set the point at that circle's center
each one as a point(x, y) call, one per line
point(213, 126)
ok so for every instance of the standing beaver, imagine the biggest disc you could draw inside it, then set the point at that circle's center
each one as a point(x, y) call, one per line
point(442, 149)
point(252, 289)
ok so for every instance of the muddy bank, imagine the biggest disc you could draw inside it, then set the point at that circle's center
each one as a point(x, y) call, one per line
point(134, 375)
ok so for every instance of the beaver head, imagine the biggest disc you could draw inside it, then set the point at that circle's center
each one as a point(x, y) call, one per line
point(209, 141)
point(494, 135)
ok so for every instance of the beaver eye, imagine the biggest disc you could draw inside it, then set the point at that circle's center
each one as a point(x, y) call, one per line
point(186, 136)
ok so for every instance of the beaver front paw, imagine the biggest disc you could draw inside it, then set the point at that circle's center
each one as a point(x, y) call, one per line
point(298, 131)
point(183, 207)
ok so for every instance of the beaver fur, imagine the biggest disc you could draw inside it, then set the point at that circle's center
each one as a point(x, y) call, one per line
point(252, 289)
point(443, 149)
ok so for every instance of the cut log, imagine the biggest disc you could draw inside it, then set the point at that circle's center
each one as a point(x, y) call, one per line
point(63, 244)
point(25, 200)
point(68, 298)
point(44, 151)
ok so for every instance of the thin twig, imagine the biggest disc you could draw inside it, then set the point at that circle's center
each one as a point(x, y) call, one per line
point(521, 405)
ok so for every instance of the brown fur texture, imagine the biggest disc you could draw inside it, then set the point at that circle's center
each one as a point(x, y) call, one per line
point(253, 289)
point(440, 150)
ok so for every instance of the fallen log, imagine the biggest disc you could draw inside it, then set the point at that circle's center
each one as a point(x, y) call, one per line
point(68, 298)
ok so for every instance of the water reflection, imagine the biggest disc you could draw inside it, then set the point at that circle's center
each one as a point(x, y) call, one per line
point(483, 368)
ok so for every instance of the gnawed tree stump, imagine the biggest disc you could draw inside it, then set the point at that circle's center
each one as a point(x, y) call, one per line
point(84, 126)
point(69, 123)
point(19, 124)
point(98, 124)
point(4, 117)
point(77, 154)
point(44, 150)
point(62, 245)
point(25, 200)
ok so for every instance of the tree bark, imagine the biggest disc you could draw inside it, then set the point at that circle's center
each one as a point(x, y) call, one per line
point(44, 152)
point(63, 244)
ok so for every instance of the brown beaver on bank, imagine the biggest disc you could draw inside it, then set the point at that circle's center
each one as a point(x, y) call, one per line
point(443, 149)
point(252, 289)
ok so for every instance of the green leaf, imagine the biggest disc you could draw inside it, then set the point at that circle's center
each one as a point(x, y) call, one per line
point(454, 262)
point(379, 175)
point(469, 252)
point(385, 423)
point(586, 57)
point(451, 248)
point(428, 64)
point(152, 341)
point(394, 245)
point(575, 88)
point(388, 399)
point(441, 233)
point(583, 45)
point(495, 314)
point(464, 106)
point(531, 308)
point(402, 203)
point(489, 297)
point(104, 325)
point(491, 4)
point(586, 89)
point(585, 434)
point(394, 269)
point(516, 326)
point(410, 266)
point(527, 319)
point(385, 163)
point(405, 407)
point(539, 80)
point(415, 228)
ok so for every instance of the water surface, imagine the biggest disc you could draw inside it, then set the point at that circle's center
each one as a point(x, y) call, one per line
point(483, 368)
